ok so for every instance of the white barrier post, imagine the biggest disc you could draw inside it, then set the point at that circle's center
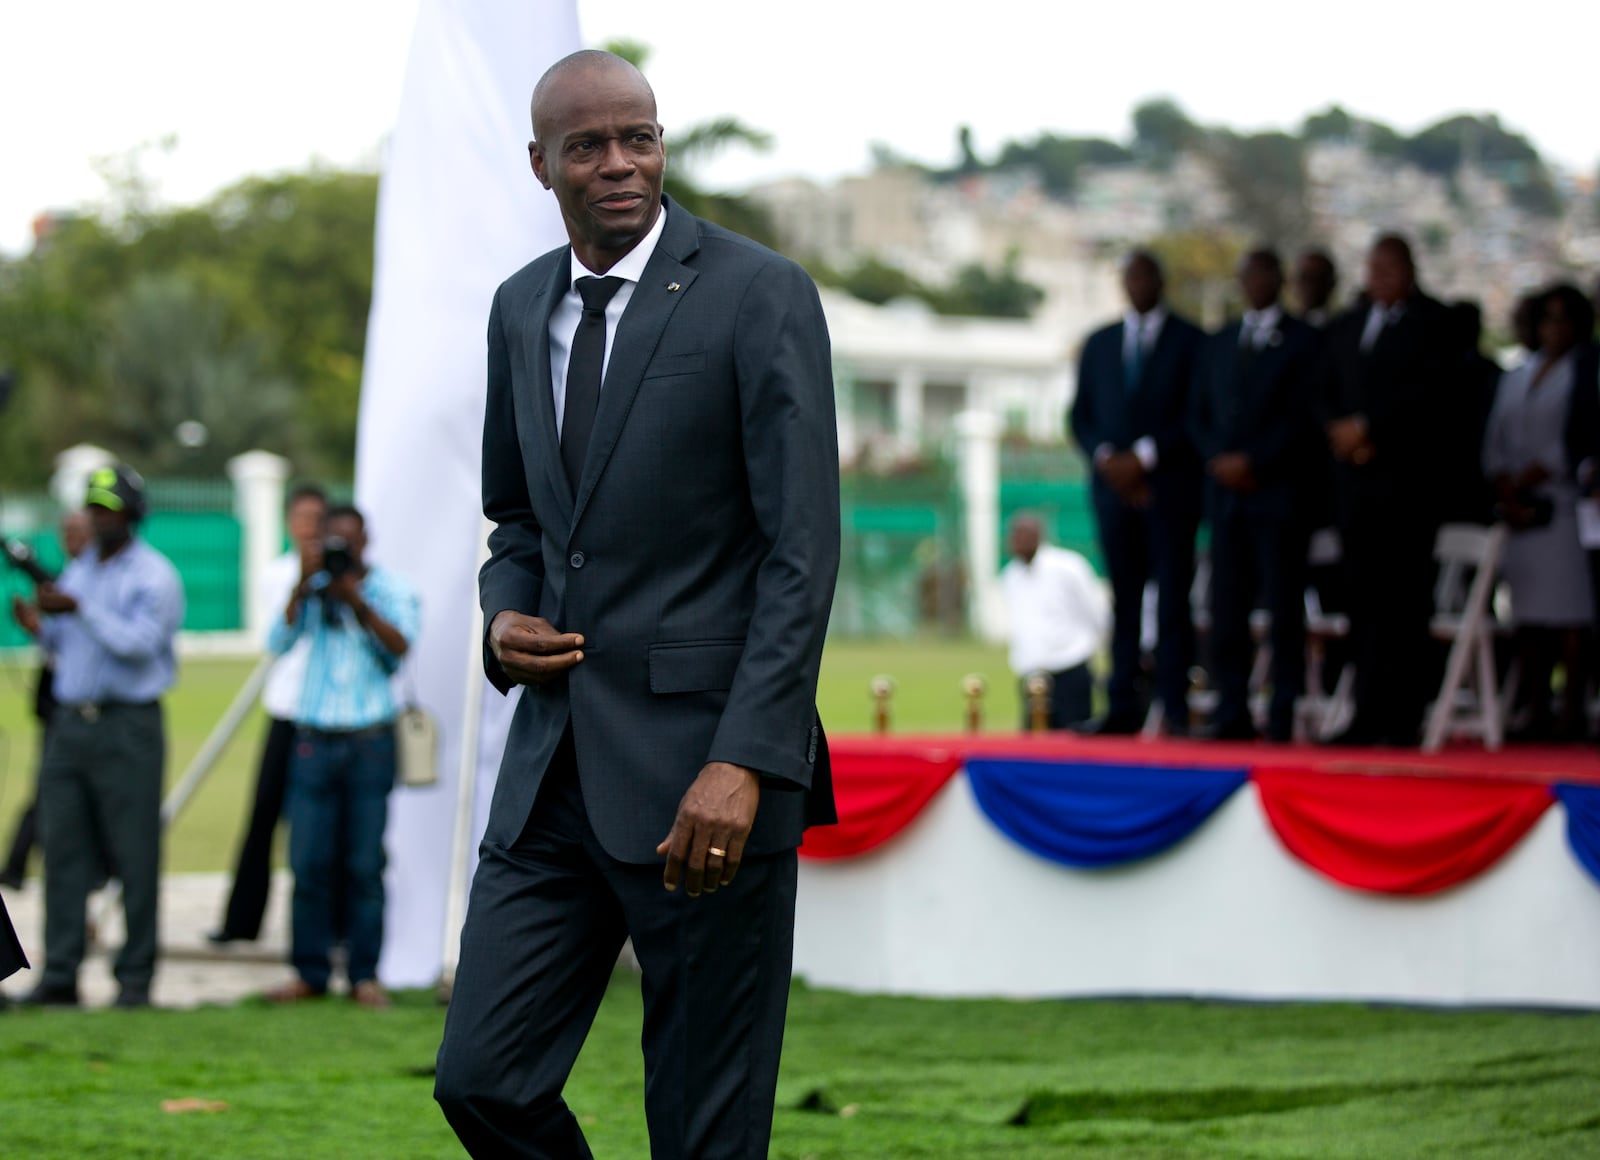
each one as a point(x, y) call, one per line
point(258, 479)
point(978, 436)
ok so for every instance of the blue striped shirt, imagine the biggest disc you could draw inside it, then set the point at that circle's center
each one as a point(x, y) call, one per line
point(347, 669)
point(118, 645)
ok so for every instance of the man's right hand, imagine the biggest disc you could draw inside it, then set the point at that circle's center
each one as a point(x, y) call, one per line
point(26, 615)
point(530, 650)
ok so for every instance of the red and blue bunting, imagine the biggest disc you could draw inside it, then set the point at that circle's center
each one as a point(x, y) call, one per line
point(1386, 821)
point(1092, 815)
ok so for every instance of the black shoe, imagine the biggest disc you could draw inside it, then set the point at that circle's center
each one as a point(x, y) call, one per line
point(1113, 725)
point(132, 998)
point(11, 881)
point(50, 995)
point(222, 937)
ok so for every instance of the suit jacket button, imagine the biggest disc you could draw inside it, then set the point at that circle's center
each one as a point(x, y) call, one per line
point(576, 560)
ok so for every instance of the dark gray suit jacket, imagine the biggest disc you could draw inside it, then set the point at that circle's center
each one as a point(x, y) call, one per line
point(699, 554)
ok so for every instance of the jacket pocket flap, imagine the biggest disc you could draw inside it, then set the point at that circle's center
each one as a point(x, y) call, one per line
point(694, 666)
point(663, 365)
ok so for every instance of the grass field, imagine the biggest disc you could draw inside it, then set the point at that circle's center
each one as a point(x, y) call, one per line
point(928, 697)
point(862, 1078)
point(865, 1077)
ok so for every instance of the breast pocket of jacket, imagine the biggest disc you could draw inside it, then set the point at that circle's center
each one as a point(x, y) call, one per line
point(694, 666)
point(663, 366)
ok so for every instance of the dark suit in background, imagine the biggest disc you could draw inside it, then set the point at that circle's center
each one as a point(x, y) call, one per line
point(1115, 411)
point(1389, 502)
point(1252, 396)
point(697, 556)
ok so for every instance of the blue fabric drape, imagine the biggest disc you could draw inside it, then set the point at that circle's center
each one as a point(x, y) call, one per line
point(1582, 803)
point(1092, 815)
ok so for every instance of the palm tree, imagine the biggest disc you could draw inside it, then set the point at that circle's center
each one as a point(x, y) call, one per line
point(696, 145)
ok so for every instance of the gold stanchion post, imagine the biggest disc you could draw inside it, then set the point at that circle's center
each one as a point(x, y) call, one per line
point(882, 687)
point(973, 687)
point(1039, 686)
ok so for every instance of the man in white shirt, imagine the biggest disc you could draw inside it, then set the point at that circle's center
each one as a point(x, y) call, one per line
point(247, 901)
point(1059, 615)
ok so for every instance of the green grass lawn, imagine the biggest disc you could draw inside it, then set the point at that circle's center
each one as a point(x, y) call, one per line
point(862, 1077)
point(928, 697)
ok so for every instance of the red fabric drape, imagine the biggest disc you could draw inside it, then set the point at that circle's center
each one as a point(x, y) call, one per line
point(1397, 835)
point(879, 790)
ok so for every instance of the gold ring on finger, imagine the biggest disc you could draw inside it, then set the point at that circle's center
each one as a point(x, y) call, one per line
point(718, 853)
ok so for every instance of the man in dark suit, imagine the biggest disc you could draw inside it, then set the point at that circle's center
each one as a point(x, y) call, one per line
point(1251, 420)
point(1129, 418)
point(663, 562)
point(1380, 389)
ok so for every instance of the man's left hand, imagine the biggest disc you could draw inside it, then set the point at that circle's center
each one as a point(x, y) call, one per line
point(345, 590)
point(51, 599)
point(715, 815)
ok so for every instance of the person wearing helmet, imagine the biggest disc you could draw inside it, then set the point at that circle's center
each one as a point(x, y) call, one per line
point(110, 622)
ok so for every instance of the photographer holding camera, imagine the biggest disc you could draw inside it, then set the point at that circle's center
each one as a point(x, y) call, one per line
point(110, 623)
point(360, 621)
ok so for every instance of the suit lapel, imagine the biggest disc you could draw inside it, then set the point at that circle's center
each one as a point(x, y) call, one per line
point(662, 286)
point(536, 411)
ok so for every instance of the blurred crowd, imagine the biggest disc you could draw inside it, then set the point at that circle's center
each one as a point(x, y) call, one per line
point(1302, 460)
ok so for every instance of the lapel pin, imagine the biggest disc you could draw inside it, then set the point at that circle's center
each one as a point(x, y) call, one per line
point(673, 287)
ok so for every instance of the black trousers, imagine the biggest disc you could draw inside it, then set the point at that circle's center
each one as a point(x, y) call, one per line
point(1140, 544)
point(546, 921)
point(247, 901)
point(1255, 555)
point(101, 790)
point(1388, 554)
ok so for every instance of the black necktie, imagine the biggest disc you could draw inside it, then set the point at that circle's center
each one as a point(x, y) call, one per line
point(583, 373)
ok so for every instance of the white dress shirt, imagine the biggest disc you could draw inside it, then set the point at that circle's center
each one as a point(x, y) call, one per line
point(280, 697)
point(568, 313)
point(1257, 326)
point(1059, 610)
point(1378, 317)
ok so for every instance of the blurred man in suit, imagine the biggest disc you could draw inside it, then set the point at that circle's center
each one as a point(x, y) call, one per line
point(1316, 277)
point(1379, 392)
point(661, 467)
point(1129, 418)
point(1251, 419)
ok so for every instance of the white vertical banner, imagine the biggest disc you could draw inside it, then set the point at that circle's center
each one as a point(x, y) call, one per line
point(459, 210)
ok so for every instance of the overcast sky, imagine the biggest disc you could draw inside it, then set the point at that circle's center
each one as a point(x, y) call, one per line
point(250, 89)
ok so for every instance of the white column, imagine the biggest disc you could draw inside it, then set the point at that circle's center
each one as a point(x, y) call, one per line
point(908, 408)
point(258, 479)
point(978, 440)
point(73, 468)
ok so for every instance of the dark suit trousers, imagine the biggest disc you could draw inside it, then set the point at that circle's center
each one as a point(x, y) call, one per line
point(1388, 553)
point(1138, 545)
point(1257, 555)
point(546, 921)
point(247, 901)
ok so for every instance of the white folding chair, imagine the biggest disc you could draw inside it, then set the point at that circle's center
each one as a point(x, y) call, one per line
point(1469, 701)
point(1320, 714)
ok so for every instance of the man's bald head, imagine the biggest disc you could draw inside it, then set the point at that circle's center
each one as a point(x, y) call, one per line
point(586, 60)
point(1024, 534)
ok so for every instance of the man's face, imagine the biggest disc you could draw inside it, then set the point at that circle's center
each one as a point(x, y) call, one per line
point(1557, 330)
point(1141, 282)
point(350, 530)
point(76, 532)
point(1389, 276)
point(1023, 540)
point(305, 519)
point(1261, 281)
point(111, 529)
point(1313, 283)
point(599, 150)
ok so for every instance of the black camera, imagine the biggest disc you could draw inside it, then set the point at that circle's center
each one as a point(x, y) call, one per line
point(21, 557)
point(336, 558)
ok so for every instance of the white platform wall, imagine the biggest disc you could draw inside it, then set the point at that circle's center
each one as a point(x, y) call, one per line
point(953, 907)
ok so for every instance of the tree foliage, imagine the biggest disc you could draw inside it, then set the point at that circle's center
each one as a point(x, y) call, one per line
point(975, 291)
point(247, 313)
